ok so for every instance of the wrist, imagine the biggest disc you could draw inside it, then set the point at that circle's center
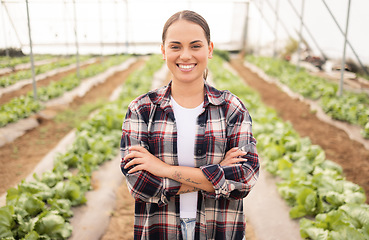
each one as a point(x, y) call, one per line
point(168, 171)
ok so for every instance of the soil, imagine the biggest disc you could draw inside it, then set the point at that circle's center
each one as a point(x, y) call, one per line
point(351, 155)
point(20, 157)
point(122, 219)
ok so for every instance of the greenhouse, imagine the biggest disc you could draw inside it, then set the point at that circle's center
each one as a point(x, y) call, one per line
point(70, 70)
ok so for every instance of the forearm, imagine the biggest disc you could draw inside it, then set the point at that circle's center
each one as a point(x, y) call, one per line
point(187, 189)
point(191, 177)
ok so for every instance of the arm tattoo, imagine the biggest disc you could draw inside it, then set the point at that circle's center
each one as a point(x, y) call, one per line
point(178, 176)
point(194, 189)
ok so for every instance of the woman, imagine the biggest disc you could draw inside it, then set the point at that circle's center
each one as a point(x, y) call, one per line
point(181, 146)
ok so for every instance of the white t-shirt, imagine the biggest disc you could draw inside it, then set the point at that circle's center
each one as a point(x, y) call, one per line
point(186, 132)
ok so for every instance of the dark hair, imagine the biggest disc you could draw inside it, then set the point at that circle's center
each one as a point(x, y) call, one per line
point(190, 16)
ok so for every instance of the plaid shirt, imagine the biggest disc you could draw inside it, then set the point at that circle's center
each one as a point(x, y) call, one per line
point(224, 123)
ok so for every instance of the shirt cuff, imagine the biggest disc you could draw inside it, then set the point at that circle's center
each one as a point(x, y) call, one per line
point(215, 174)
point(171, 188)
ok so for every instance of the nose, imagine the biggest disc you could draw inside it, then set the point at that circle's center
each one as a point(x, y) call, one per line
point(186, 54)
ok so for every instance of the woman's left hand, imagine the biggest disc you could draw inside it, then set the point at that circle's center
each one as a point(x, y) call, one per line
point(233, 157)
point(142, 159)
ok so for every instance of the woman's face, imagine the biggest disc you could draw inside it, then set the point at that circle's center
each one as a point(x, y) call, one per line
point(186, 51)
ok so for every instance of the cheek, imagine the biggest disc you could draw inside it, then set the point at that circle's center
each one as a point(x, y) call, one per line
point(170, 56)
point(202, 55)
point(203, 58)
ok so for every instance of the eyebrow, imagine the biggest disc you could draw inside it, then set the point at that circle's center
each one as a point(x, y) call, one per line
point(195, 41)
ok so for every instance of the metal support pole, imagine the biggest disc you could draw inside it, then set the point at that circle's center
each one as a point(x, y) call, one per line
point(31, 55)
point(300, 33)
point(309, 33)
point(276, 30)
point(245, 31)
point(344, 50)
point(266, 21)
point(276, 12)
point(76, 37)
point(260, 26)
point(101, 32)
point(66, 27)
point(348, 42)
point(116, 26)
point(127, 26)
point(4, 29)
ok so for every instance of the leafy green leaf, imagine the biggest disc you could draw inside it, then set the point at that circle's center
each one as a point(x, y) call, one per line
point(6, 221)
point(53, 225)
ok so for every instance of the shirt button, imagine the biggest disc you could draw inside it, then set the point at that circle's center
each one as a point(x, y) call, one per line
point(199, 151)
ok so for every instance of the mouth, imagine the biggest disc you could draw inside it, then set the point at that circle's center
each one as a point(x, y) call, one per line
point(186, 67)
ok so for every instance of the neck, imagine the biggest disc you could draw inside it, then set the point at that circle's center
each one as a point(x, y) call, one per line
point(188, 95)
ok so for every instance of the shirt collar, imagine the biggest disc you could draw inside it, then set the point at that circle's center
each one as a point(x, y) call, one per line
point(162, 96)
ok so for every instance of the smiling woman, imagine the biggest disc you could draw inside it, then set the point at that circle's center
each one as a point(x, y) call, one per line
point(186, 49)
point(181, 144)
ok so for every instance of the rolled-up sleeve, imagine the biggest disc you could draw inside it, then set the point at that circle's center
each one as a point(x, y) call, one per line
point(142, 184)
point(236, 181)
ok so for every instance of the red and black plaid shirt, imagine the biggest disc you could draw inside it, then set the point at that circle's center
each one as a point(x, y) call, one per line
point(224, 123)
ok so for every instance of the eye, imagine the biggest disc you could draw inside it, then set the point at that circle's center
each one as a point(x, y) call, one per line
point(174, 47)
point(196, 46)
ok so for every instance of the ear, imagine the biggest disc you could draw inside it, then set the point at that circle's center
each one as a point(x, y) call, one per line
point(211, 48)
point(163, 51)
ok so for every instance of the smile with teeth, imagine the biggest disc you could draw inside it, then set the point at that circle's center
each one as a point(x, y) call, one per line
point(186, 66)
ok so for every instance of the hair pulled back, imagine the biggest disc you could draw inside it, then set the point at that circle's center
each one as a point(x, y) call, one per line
point(190, 16)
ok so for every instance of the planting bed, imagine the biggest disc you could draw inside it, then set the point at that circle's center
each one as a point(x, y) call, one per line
point(351, 155)
point(20, 157)
point(6, 97)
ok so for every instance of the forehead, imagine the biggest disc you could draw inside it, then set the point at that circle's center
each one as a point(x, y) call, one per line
point(183, 30)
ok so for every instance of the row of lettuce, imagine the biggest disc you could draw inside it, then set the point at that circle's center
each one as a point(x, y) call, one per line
point(313, 186)
point(10, 79)
point(329, 207)
point(12, 62)
point(41, 209)
point(350, 107)
point(24, 106)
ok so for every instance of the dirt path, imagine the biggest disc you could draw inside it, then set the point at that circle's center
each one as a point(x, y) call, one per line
point(351, 155)
point(19, 158)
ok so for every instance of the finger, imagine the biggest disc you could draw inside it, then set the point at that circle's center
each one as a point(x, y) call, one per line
point(135, 161)
point(232, 150)
point(241, 153)
point(133, 154)
point(237, 153)
point(231, 153)
point(130, 163)
point(135, 169)
point(238, 160)
point(129, 156)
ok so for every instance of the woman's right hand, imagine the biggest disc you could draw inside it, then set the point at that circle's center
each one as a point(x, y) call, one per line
point(233, 156)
